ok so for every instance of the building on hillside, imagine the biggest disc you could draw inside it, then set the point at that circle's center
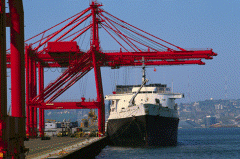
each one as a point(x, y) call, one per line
point(210, 120)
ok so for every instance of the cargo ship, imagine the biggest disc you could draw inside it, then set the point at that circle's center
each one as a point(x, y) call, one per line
point(143, 115)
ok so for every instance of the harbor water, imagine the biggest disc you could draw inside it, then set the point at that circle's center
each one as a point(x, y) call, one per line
point(207, 143)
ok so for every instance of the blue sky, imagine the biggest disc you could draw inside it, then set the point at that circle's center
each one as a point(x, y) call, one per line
point(196, 24)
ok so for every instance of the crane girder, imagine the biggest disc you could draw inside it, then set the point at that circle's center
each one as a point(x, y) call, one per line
point(157, 58)
point(64, 59)
point(83, 63)
point(70, 105)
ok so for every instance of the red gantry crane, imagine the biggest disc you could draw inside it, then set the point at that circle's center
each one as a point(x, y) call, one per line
point(59, 48)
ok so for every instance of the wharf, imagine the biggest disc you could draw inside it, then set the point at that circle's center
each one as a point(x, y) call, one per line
point(63, 147)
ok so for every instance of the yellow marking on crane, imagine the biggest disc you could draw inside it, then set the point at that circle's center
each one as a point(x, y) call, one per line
point(49, 104)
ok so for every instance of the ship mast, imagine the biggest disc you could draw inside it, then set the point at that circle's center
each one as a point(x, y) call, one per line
point(144, 81)
point(143, 70)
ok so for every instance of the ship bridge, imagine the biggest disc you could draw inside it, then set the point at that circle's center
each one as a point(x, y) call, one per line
point(145, 90)
point(150, 88)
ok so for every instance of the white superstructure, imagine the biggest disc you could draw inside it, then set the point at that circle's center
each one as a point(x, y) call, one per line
point(153, 99)
point(148, 101)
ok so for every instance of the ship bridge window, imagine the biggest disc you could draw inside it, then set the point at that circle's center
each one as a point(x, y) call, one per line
point(148, 92)
point(160, 90)
point(123, 109)
point(157, 101)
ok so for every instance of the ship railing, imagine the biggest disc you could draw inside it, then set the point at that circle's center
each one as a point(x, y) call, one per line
point(126, 92)
point(129, 90)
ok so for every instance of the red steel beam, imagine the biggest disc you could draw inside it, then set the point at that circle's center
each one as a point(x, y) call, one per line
point(52, 27)
point(73, 27)
point(97, 71)
point(64, 77)
point(119, 34)
point(154, 63)
point(70, 23)
point(143, 31)
point(73, 81)
point(43, 121)
point(3, 80)
point(133, 40)
point(75, 33)
point(17, 58)
point(27, 90)
point(70, 105)
point(136, 33)
point(152, 58)
point(31, 95)
point(81, 33)
point(41, 87)
point(161, 54)
point(51, 65)
point(114, 38)
point(155, 54)
point(41, 133)
point(110, 57)
point(35, 122)
point(34, 94)
point(17, 75)
point(55, 87)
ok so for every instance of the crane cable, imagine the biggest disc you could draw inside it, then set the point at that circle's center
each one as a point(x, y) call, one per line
point(144, 33)
point(139, 38)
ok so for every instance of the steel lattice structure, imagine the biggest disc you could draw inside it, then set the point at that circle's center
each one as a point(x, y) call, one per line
point(60, 49)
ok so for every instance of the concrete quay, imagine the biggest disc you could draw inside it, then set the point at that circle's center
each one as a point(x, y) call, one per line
point(65, 147)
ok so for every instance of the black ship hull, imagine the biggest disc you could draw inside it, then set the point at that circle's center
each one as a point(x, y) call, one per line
point(143, 131)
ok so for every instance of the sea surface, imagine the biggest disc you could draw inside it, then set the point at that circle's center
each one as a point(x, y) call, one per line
point(207, 143)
